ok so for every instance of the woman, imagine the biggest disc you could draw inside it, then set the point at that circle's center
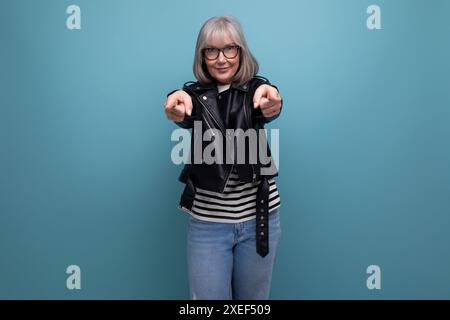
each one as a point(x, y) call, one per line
point(234, 228)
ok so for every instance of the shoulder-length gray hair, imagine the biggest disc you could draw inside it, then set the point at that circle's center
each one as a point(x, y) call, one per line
point(218, 26)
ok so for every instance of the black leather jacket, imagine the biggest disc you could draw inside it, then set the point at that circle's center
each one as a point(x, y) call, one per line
point(214, 176)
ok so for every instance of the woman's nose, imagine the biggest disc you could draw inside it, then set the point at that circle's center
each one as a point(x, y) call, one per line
point(221, 57)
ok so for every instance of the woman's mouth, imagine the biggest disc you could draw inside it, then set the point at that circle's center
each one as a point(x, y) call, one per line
point(222, 70)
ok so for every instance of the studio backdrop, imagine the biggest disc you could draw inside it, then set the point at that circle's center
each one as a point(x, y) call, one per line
point(88, 190)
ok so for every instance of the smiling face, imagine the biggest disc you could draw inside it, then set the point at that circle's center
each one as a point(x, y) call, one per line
point(222, 69)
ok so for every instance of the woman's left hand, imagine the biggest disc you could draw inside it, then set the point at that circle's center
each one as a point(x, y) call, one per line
point(268, 99)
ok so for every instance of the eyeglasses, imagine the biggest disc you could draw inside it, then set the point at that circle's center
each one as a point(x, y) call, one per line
point(229, 52)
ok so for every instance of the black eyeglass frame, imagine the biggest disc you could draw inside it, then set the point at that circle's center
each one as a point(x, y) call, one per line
point(219, 50)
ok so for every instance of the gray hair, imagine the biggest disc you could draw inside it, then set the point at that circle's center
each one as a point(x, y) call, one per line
point(218, 26)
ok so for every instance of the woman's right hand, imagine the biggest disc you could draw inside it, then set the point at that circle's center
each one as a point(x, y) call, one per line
point(178, 105)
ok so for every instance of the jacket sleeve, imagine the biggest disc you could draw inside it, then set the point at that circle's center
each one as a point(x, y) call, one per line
point(259, 117)
point(188, 121)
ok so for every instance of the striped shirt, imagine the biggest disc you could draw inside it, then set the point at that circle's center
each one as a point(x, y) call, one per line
point(236, 204)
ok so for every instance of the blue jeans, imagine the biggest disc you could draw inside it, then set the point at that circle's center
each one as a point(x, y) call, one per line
point(223, 263)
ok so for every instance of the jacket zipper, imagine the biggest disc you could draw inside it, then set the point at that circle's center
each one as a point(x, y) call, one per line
point(212, 116)
point(248, 124)
point(209, 126)
point(228, 177)
point(223, 131)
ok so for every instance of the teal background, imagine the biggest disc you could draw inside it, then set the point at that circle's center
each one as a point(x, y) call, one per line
point(85, 170)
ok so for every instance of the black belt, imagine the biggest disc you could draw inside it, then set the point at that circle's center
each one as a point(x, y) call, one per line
point(262, 218)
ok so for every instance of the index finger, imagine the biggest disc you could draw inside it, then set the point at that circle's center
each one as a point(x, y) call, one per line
point(257, 96)
point(171, 102)
point(187, 101)
point(274, 94)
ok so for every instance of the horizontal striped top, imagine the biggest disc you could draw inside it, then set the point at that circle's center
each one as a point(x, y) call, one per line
point(236, 204)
